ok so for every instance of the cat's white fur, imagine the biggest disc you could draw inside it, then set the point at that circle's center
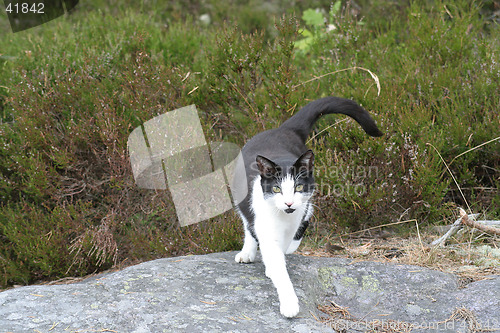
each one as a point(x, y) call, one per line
point(275, 230)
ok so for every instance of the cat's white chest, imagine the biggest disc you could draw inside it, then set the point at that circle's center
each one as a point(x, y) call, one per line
point(271, 223)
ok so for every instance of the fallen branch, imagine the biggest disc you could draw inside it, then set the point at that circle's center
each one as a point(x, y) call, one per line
point(457, 225)
point(476, 224)
point(468, 220)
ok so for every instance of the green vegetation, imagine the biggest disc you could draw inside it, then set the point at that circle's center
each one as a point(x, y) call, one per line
point(72, 90)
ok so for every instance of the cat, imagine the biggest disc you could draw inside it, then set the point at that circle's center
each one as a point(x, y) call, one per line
point(280, 186)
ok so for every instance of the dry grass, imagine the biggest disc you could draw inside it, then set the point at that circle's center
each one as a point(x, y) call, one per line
point(462, 257)
point(102, 244)
point(339, 318)
point(469, 317)
point(467, 256)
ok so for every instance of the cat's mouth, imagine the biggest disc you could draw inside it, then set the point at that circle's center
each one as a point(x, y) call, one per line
point(289, 210)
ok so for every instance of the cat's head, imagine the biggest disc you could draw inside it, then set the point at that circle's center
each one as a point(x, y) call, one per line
point(288, 186)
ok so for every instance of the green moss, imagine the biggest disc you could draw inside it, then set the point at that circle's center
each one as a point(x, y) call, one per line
point(349, 282)
point(370, 283)
point(325, 275)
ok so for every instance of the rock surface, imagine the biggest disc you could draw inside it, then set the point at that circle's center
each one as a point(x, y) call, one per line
point(212, 293)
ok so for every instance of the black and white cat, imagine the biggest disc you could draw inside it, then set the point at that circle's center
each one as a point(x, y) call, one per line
point(280, 184)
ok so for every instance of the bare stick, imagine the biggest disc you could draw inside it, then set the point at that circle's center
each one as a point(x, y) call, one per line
point(474, 224)
point(376, 227)
point(451, 173)
point(468, 220)
point(336, 123)
point(374, 77)
point(489, 222)
point(457, 225)
point(474, 148)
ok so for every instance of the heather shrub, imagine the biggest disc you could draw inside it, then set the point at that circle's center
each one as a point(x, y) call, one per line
point(71, 91)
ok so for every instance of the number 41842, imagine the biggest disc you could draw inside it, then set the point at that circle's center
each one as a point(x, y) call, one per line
point(25, 8)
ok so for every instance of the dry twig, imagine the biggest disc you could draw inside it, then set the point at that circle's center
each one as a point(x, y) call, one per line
point(477, 224)
point(374, 77)
point(468, 220)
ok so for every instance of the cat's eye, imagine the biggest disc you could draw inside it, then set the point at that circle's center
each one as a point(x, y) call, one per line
point(276, 189)
point(299, 188)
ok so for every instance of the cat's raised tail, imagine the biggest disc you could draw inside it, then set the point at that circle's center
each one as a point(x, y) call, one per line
point(303, 121)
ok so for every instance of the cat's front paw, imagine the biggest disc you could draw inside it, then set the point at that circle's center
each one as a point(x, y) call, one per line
point(289, 308)
point(244, 257)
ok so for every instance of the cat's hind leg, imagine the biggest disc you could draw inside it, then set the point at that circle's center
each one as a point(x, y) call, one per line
point(249, 250)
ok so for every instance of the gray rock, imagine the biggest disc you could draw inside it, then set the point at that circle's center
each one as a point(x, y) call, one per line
point(212, 293)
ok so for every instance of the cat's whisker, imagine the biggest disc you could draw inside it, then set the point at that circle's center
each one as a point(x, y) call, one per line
point(301, 174)
point(276, 211)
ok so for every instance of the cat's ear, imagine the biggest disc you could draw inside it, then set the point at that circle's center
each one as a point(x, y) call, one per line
point(305, 162)
point(267, 168)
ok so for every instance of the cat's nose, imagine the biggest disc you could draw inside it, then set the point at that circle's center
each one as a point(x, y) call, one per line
point(289, 204)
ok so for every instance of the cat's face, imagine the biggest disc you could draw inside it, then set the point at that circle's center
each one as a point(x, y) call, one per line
point(287, 187)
